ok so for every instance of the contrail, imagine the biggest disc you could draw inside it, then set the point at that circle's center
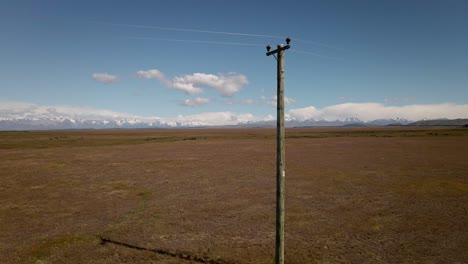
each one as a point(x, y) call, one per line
point(195, 30)
point(219, 33)
point(317, 43)
point(199, 41)
point(316, 54)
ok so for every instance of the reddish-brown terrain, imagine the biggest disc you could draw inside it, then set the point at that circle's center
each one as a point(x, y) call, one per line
point(367, 195)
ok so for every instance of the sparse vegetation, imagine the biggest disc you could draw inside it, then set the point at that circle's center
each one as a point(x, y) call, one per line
point(359, 195)
point(54, 139)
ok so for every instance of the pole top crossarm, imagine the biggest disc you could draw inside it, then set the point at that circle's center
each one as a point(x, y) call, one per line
point(280, 48)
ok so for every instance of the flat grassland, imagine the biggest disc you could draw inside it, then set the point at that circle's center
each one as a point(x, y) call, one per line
point(353, 195)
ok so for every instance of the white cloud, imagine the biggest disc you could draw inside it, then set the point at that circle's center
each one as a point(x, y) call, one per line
point(151, 74)
point(239, 102)
point(272, 101)
point(21, 110)
point(374, 111)
point(154, 74)
point(29, 111)
point(226, 84)
point(195, 102)
point(104, 77)
point(363, 111)
point(288, 100)
point(189, 88)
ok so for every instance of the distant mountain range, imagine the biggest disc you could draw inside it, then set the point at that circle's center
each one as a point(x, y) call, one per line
point(67, 123)
point(441, 122)
point(326, 123)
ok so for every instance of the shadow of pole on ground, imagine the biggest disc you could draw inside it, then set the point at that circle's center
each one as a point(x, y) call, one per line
point(175, 254)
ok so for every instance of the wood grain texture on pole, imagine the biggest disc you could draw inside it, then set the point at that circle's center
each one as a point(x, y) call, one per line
point(280, 156)
point(280, 159)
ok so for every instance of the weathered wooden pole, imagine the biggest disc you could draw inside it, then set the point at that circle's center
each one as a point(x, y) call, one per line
point(280, 157)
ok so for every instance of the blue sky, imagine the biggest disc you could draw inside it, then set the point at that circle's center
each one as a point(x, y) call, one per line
point(389, 54)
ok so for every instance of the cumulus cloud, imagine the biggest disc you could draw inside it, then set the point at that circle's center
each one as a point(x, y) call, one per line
point(226, 84)
point(374, 111)
point(104, 77)
point(187, 87)
point(195, 102)
point(154, 74)
point(21, 110)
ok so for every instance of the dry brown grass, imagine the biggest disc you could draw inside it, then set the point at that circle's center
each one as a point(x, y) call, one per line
point(352, 196)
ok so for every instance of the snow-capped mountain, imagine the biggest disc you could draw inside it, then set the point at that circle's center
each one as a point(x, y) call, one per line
point(52, 123)
point(28, 116)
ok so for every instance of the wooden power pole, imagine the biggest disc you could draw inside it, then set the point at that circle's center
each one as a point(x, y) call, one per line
point(280, 172)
